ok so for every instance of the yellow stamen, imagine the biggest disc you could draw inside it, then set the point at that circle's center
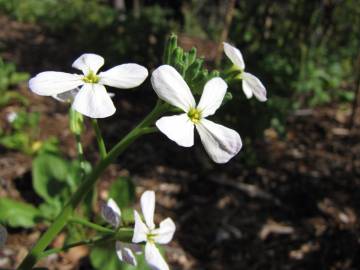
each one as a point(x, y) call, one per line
point(194, 115)
point(91, 77)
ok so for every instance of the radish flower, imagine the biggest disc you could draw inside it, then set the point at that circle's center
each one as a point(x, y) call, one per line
point(221, 143)
point(147, 232)
point(251, 85)
point(92, 99)
point(125, 251)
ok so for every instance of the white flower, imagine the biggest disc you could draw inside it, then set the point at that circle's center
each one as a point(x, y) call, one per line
point(125, 251)
point(147, 232)
point(3, 236)
point(11, 117)
point(92, 99)
point(221, 143)
point(251, 85)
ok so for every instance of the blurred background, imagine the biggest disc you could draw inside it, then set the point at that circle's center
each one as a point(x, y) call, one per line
point(289, 200)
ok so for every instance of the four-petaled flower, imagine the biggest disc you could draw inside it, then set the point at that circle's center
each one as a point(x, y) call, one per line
point(147, 232)
point(125, 251)
point(92, 100)
point(221, 143)
point(251, 85)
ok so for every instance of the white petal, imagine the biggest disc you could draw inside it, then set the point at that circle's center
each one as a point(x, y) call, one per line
point(88, 62)
point(50, 83)
point(3, 236)
point(246, 89)
point(178, 128)
point(171, 87)
point(234, 55)
point(154, 259)
point(212, 96)
point(253, 84)
point(140, 229)
point(165, 232)
point(93, 101)
point(67, 96)
point(147, 202)
point(221, 143)
point(125, 252)
point(111, 213)
point(124, 76)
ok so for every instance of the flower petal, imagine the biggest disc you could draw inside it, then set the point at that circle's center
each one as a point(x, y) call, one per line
point(67, 96)
point(125, 252)
point(212, 96)
point(246, 89)
point(147, 202)
point(178, 128)
point(111, 213)
point(221, 143)
point(124, 76)
point(50, 83)
point(140, 229)
point(3, 236)
point(93, 101)
point(89, 62)
point(165, 232)
point(154, 258)
point(253, 84)
point(171, 87)
point(234, 55)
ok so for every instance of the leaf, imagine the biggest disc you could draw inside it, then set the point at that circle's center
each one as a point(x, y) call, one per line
point(104, 258)
point(49, 174)
point(50, 211)
point(18, 214)
point(122, 191)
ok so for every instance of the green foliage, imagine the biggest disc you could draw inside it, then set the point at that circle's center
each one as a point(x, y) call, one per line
point(8, 78)
point(18, 214)
point(122, 191)
point(22, 135)
point(302, 51)
point(49, 173)
point(104, 257)
point(57, 15)
point(53, 179)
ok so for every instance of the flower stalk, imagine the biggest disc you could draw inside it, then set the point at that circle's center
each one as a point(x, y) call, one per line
point(99, 138)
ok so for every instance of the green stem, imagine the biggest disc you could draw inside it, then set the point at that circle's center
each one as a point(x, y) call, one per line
point(90, 225)
point(86, 185)
point(92, 241)
point(99, 138)
point(80, 152)
point(124, 234)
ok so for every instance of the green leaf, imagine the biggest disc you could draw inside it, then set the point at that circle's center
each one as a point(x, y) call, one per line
point(18, 214)
point(49, 174)
point(122, 191)
point(104, 258)
point(50, 211)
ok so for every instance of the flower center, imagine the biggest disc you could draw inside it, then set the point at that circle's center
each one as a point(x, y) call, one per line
point(91, 77)
point(150, 237)
point(194, 115)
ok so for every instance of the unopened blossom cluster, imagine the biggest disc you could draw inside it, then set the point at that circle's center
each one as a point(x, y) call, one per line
point(88, 96)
